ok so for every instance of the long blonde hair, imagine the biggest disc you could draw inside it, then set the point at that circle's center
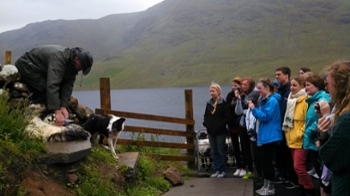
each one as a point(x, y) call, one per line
point(340, 72)
point(217, 87)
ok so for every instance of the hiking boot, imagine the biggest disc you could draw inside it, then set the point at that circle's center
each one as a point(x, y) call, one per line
point(215, 175)
point(222, 175)
point(280, 180)
point(242, 173)
point(248, 176)
point(291, 185)
point(237, 172)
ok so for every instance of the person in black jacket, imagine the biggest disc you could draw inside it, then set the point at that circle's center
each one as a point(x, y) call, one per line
point(284, 160)
point(216, 118)
point(49, 72)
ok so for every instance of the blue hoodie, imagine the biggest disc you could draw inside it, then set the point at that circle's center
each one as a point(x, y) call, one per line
point(311, 120)
point(269, 116)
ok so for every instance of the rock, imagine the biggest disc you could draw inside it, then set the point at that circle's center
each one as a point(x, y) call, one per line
point(72, 178)
point(20, 87)
point(15, 93)
point(9, 73)
point(72, 171)
point(129, 159)
point(173, 176)
point(66, 152)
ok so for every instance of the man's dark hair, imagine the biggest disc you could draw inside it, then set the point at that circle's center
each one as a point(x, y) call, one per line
point(284, 70)
point(305, 69)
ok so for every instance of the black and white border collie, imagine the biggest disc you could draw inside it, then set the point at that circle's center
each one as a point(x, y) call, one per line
point(106, 126)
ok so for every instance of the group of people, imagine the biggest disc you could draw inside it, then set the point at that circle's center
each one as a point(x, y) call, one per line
point(283, 126)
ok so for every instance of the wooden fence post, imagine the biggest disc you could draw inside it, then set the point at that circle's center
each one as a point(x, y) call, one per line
point(7, 57)
point(189, 128)
point(105, 94)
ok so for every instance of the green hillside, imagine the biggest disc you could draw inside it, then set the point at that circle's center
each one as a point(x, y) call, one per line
point(190, 43)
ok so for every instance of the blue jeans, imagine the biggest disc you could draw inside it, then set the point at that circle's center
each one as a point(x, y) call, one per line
point(218, 151)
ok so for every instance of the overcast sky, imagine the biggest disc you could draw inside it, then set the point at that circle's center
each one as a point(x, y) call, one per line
point(15, 14)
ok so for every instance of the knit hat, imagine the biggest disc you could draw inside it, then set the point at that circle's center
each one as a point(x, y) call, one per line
point(86, 61)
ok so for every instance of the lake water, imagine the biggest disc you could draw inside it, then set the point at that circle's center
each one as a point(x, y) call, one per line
point(160, 101)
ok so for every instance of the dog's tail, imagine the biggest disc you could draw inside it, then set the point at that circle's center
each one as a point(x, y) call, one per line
point(71, 132)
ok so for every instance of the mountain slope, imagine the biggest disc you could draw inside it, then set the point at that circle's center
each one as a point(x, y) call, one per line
point(186, 43)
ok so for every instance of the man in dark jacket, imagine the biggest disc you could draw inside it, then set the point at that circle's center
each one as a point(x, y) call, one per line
point(50, 72)
point(284, 159)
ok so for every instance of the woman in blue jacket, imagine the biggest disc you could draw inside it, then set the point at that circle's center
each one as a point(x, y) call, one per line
point(315, 89)
point(269, 131)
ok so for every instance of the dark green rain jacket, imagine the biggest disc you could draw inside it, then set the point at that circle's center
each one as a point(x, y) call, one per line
point(49, 69)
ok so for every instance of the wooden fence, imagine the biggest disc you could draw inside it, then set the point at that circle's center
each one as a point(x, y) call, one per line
point(188, 121)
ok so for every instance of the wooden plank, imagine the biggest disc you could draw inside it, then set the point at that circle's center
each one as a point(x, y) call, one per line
point(105, 93)
point(159, 131)
point(165, 157)
point(7, 57)
point(155, 144)
point(146, 116)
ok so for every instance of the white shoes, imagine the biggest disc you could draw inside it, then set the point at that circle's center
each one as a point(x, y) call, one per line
point(265, 191)
point(240, 172)
point(215, 175)
point(237, 172)
point(222, 175)
point(218, 175)
point(313, 173)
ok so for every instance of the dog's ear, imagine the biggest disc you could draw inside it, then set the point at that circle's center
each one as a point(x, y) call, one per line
point(121, 119)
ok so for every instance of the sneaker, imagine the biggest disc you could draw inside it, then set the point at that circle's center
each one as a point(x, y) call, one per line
point(214, 175)
point(242, 173)
point(265, 191)
point(291, 185)
point(311, 172)
point(280, 180)
point(237, 172)
point(315, 176)
point(222, 175)
point(248, 176)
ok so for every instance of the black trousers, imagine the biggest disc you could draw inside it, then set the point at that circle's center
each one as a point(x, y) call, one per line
point(246, 149)
point(265, 152)
point(284, 162)
point(256, 158)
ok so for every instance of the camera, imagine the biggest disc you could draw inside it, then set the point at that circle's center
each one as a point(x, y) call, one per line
point(251, 134)
point(317, 107)
point(239, 89)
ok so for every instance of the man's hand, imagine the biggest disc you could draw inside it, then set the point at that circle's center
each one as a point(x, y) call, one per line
point(59, 118)
point(65, 112)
